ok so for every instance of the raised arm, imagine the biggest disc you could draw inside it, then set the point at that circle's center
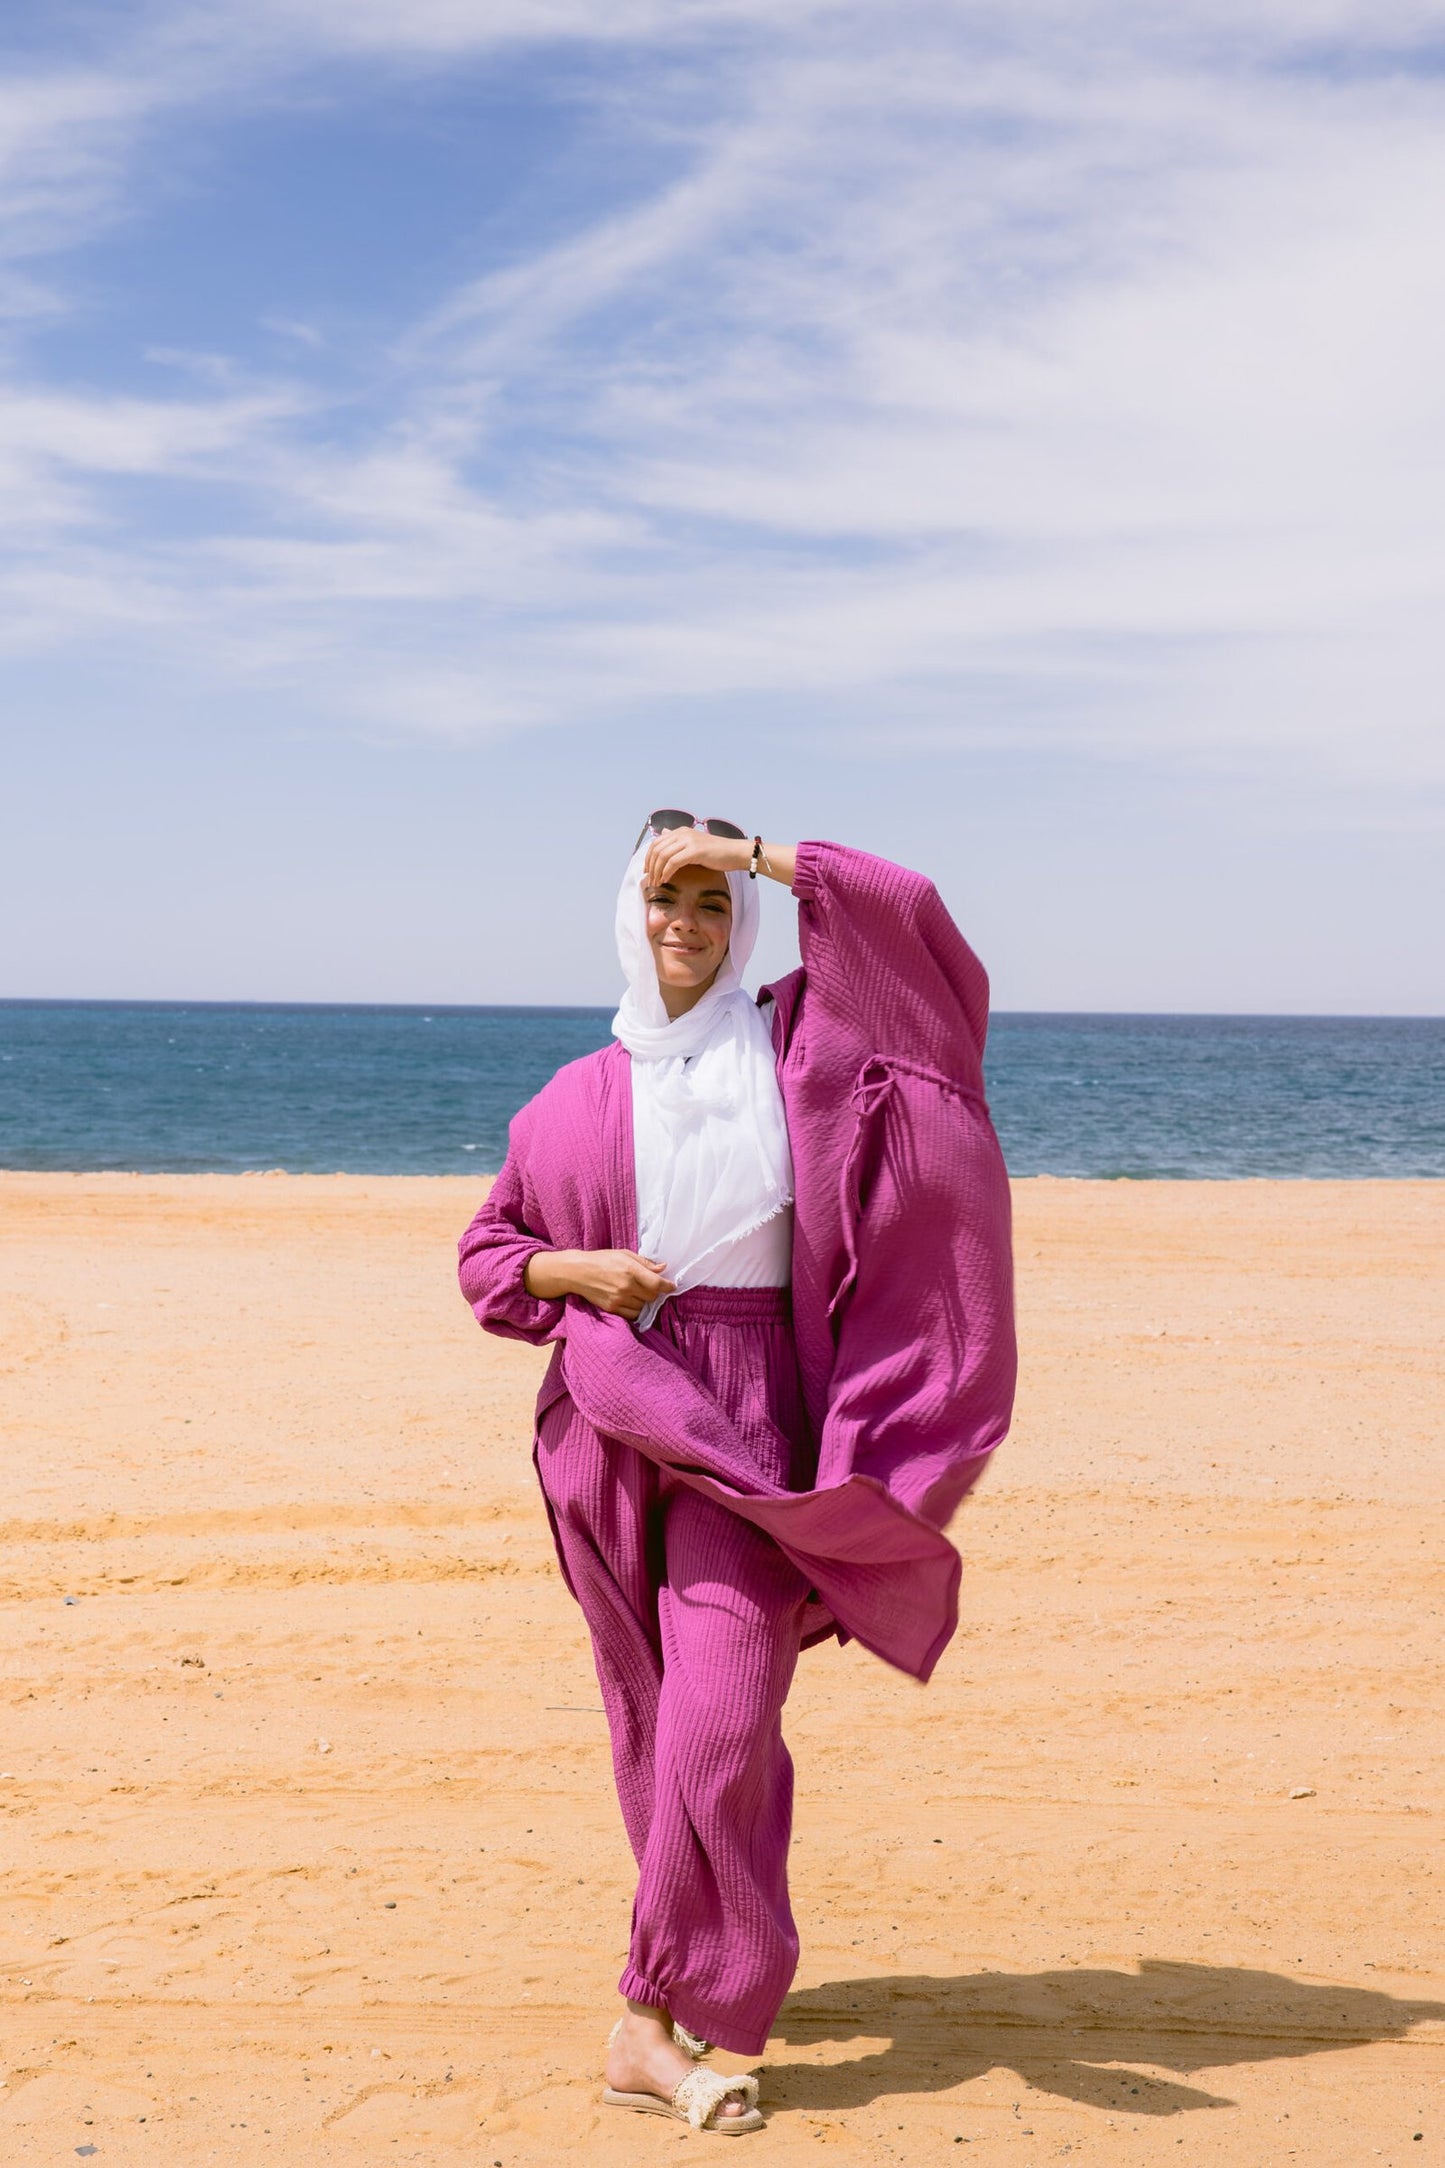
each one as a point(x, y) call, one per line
point(884, 960)
point(886, 963)
point(679, 847)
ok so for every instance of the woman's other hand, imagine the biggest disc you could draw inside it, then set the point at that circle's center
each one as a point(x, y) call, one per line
point(618, 1281)
point(678, 847)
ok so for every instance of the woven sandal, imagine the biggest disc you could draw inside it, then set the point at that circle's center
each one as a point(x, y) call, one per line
point(689, 2042)
point(696, 2100)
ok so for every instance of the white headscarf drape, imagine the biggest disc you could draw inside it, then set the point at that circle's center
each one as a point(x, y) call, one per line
point(709, 1133)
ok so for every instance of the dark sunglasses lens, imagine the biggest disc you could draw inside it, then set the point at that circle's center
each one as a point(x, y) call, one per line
point(724, 828)
point(667, 817)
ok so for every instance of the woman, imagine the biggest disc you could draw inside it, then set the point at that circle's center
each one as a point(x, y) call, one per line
point(770, 1244)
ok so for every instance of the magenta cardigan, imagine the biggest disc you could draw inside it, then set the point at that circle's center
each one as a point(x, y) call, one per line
point(902, 1272)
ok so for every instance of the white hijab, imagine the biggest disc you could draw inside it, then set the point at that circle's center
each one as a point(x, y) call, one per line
point(709, 1134)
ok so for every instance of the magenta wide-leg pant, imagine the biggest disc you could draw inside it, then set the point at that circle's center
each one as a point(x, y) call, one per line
point(696, 1620)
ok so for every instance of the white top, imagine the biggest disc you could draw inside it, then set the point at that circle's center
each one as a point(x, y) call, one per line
point(709, 1130)
point(761, 1257)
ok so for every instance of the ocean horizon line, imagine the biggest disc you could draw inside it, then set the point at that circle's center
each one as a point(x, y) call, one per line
point(415, 1088)
point(601, 1008)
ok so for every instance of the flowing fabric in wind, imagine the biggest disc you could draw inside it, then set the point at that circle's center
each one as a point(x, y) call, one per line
point(902, 1293)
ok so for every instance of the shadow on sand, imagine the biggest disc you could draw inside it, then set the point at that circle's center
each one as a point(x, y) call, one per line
point(1069, 2033)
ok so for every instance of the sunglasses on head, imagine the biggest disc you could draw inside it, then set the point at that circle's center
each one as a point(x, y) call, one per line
point(670, 816)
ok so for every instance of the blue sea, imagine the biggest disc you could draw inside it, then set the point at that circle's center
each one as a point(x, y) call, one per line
point(187, 1087)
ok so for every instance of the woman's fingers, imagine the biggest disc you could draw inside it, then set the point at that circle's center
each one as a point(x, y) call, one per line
point(652, 861)
point(623, 1282)
point(620, 1282)
point(642, 1282)
point(689, 847)
point(665, 859)
point(678, 848)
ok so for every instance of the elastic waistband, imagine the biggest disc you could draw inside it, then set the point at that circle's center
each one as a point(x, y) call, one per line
point(730, 1306)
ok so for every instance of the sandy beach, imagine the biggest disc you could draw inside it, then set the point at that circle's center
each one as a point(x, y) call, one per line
point(310, 1847)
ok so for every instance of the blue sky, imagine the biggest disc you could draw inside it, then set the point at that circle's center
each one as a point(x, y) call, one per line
point(1008, 437)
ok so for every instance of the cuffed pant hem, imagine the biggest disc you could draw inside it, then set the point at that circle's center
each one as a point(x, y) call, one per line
point(723, 2031)
point(637, 1989)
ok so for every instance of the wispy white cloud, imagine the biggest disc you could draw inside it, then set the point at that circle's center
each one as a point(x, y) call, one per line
point(458, 27)
point(63, 138)
point(449, 28)
point(1071, 372)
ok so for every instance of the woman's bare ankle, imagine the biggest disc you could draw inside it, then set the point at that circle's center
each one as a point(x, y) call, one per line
point(658, 2015)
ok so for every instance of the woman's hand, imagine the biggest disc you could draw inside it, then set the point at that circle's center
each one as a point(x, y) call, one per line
point(679, 847)
point(618, 1281)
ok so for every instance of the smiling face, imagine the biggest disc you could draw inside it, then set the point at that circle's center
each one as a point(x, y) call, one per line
point(689, 925)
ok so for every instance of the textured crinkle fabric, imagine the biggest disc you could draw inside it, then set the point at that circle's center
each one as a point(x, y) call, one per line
point(902, 1260)
point(696, 1620)
point(902, 1281)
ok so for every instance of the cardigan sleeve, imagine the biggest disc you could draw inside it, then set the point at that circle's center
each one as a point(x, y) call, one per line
point(495, 1251)
point(886, 964)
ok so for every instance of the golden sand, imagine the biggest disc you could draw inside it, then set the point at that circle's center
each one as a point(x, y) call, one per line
point(310, 1849)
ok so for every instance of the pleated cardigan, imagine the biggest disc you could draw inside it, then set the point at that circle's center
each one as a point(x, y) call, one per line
point(902, 1268)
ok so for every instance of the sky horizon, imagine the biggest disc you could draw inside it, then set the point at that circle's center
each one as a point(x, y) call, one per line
point(603, 1008)
point(1001, 437)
